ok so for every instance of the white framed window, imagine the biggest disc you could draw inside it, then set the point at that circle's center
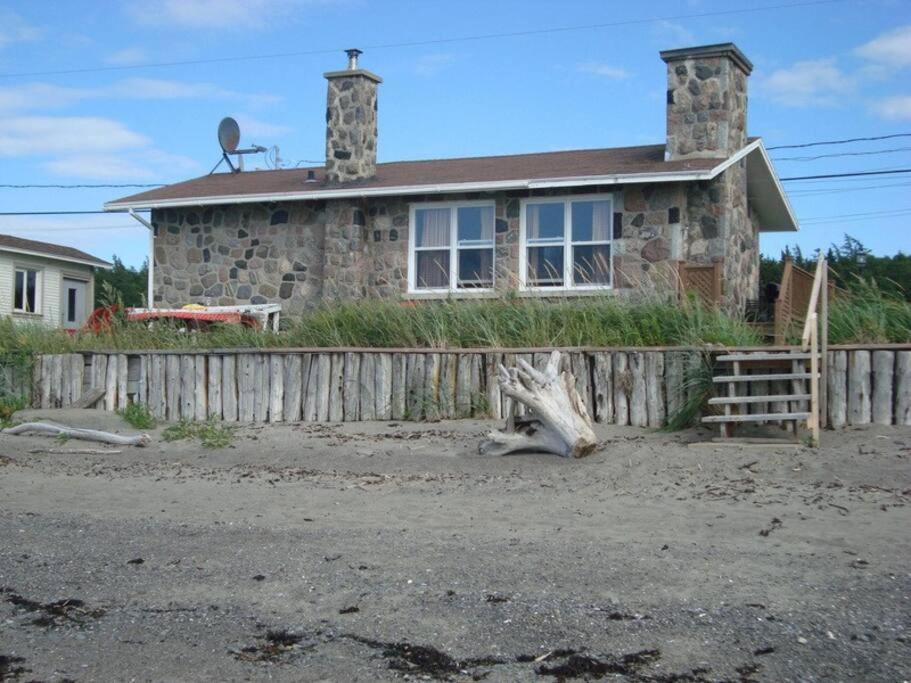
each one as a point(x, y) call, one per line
point(566, 242)
point(451, 247)
point(27, 290)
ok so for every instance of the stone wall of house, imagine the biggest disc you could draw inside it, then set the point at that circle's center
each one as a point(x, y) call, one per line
point(240, 254)
point(302, 254)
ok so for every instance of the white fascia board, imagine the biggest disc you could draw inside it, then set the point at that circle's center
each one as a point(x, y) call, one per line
point(65, 259)
point(443, 188)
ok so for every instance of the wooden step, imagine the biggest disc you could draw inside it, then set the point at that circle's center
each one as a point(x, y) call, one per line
point(761, 378)
point(764, 355)
point(758, 417)
point(723, 400)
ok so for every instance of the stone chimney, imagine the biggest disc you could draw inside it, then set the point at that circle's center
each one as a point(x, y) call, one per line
point(351, 122)
point(706, 101)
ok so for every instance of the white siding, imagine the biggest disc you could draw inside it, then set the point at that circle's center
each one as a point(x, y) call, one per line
point(52, 273)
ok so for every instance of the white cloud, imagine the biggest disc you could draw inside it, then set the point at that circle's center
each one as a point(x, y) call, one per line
point(37, 96)
point(896, 108)
point(816, 82)
point(674, 34)
point(892, 48)
point(431, 65)
point(127, 57)
point(250, 128)
point(22, 136)
point(239, 15)
point(606, 70)
point(15, 29)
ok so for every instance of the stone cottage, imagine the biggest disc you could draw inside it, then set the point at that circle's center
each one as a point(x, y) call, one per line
point(552, 224)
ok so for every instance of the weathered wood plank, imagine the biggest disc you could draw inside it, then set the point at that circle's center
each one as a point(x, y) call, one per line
point(463, 386)
point(491, 383)
point(246, 387)
point(449, 367)
point(383, 386)
point(229, 400)
point(837, 380)
point(399, 401)
point(276, 388)
point(142, 391)
point(883, 384)
point(859, 387)
point(655, 391)
point(674, 371)
point(122, 379)
point(261, 383)
point(432, 387)
point(336, 388)
point(157, 383)
point(294, 384)
point(172, 387)
point(622, 386)
point(602, 387)
point(200, 386)
point(57, 382)
point(110, 395)
point(312, 398)
point(187, 387)
point(478, 407)
point(903, 388)
point(414, 407)
point(581, 369)
point(324, 387)
point(213, 387)
point(638, 407)
point(367, 387)
point(351, 390)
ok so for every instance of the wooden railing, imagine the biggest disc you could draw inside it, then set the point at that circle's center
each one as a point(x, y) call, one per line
point(815, 339)
point(703, 279)
point(794, 299)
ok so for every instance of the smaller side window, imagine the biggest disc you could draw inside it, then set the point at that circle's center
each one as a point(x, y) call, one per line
point(25, 296)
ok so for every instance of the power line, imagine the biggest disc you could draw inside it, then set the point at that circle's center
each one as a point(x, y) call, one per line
point(892, 150)
point(905, 209)
point(841, 142)
point(835, 190)
point(845, 175)
point(79, 187)
point(433, 41)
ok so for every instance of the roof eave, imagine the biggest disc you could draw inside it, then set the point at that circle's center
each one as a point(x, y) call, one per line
point(57, 257)
point(438, 188)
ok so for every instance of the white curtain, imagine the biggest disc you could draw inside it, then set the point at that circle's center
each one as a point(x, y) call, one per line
point(532, 222)
point(433, 228)
point(487, 223)
point(601, 221)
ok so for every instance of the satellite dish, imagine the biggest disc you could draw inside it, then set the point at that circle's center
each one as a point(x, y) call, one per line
point(228, 135)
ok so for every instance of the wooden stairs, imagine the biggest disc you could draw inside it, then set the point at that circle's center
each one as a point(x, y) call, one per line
point(763, 387)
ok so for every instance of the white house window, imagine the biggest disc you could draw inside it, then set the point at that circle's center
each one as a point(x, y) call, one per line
point(26, 290)
point(452, 247)
point(566, 243)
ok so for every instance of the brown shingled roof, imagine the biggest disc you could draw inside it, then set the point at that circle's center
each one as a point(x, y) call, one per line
point(56, 251)
point(648, 159)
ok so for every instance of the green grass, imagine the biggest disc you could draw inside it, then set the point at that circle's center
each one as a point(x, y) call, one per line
point(138, 415)
point(8, 406)
point(211, 434)
point(863, 315)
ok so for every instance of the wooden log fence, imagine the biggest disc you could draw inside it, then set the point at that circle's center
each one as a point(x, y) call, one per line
point(638, 387)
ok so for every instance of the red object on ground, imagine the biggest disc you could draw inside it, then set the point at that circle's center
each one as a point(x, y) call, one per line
point(100, 319)
point(195, 316)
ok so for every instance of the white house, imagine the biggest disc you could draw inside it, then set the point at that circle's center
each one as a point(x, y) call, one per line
point(46, 283)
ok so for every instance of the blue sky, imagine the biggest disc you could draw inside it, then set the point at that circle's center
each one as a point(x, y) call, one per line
point(826, 71)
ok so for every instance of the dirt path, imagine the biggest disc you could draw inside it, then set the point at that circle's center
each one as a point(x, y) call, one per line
point(374, 551)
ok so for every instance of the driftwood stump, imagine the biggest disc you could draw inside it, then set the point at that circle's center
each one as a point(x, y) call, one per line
point(556, 420)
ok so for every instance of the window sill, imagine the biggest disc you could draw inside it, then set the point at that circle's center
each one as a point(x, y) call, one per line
point(459, 294)
point(27, 314)
point(563, 292)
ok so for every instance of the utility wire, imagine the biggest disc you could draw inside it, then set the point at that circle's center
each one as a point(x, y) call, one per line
point(432, 41)
point(845, 175)
point(841, 142)
point(892, 150)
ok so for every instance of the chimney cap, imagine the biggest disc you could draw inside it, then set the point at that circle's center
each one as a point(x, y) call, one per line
point(353, 69)
point(353, 54)
point(729, 50)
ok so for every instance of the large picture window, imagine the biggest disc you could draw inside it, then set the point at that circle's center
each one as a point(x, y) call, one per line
point(566, 243)
point(452, 247)
point(26, 285)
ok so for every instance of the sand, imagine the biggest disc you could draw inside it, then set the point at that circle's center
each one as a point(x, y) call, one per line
point(377, 551)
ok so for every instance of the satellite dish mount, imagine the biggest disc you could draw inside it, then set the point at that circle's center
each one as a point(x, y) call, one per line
point(229, 139)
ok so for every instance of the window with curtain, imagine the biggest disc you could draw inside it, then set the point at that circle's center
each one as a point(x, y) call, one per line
point(25, 294)
point(567, 242)
point(453, 247)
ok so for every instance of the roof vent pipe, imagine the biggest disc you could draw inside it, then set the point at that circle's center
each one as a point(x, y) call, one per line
point(352, 58)
point(311, 176)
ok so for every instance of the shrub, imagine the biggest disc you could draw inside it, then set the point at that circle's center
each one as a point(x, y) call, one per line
point(138, 415)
